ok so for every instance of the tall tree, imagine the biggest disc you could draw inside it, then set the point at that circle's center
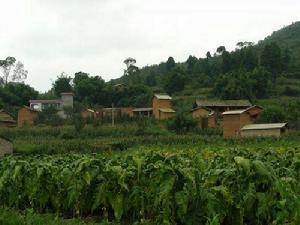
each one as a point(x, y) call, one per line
point(175, 80)
point(221, 49)
point(11, 71)
point(191, 61)
point(170, 63)
point(271, 59)
point(62, 84)
point(285, 59)
point(208, 55)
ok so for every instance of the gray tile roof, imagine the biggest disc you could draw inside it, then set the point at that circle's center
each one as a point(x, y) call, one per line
point(264, 126)
point(223, 103)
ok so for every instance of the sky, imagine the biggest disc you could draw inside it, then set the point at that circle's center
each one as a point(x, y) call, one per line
point(95, 36)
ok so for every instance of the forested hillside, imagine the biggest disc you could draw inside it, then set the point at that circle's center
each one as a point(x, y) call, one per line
point(250, 71)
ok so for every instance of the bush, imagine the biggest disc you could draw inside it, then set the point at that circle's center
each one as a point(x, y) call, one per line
point(79, 122)
point(182, 123)
point(272, 115)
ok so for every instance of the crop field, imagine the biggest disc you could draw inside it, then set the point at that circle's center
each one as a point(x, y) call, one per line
point(162, 178)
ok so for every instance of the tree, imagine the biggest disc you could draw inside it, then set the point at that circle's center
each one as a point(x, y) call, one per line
point(191, 61)
point(226, 62)
point(129, 62)
point(285, 60)
point(62, 84)
point(208, 55)
point(221, 49)
point(244, 44)
point(89, 89)
point(17, 94)
point(182, 123)
point(11, 71)
point(130, 66)
point(175, 80)
point(271, 59)
point(170, 63)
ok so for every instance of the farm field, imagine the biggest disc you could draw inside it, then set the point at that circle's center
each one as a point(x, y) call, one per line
point(162, 178)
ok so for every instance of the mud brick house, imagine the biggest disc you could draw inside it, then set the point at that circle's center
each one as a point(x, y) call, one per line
point(161, 107)
point(220, 106)
point(127, 111)
point(262, 130)
point(6, 146)
point(6, 120)
point(234, 120)
point(88, 113)
point(206, 117)
point(27, 116)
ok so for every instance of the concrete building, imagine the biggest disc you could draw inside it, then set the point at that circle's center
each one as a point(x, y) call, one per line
point(234, 120)
point(65, 101)
point(263, 130)
point(6, 146)
point(27, 116)
point(161, 107)
point(6, 120)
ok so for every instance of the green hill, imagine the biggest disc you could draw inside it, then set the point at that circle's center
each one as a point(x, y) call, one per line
point(288, 37)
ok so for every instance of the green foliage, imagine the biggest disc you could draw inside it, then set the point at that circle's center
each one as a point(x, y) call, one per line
point(49, 116)
point(162, 186)
point(272, 115)
point(79, 122)
point(15, 95)
point(271, 59)
point(174, 80)
point(182, 123)
point(62, 84)
point(244, 85)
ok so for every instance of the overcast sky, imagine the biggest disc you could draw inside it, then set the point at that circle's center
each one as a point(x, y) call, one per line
point(95, 36)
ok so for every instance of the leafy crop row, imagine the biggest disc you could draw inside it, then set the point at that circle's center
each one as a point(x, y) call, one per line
point(211, 187)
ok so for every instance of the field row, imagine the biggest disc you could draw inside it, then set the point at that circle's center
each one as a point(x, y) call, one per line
point(225, 186)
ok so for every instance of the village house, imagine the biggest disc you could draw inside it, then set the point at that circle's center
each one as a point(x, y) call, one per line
point(6, 120)
point(234, 120)
point(65, 101)
point(142, 112)
point(27, 116)
point(127, 111)
point(262, 130)
point(220, 106)
point(161, 107)
point(88, 113)
point(206, 117)
point(6, 146)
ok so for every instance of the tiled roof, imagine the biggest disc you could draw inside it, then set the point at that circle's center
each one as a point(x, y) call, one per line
point(163, 97)
point(5, 116)
point(233, 112)
point(142, 109)
point(202, 107)
point(55, 101)
point(223, 103)
point(264, 126)
point(31, 109)
point(236, 112)
point(167, 110)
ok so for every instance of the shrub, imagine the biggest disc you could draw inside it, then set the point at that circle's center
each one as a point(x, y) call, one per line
point(182, 123)
point(272, 115)
point(79, 122)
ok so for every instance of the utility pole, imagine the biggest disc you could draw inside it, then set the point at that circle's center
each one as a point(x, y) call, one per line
point(112, 115)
